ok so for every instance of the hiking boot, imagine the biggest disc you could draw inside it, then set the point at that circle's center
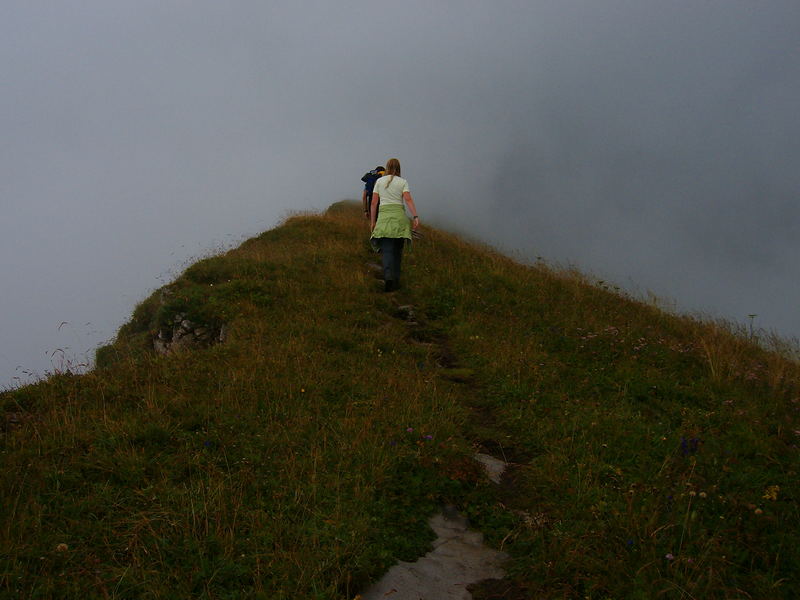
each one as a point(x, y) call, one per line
point(389, 285)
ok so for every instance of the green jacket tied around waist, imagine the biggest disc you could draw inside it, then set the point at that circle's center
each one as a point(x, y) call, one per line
point(392, 222)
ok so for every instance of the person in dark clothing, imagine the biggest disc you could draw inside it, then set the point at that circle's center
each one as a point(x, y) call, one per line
point(369, 180)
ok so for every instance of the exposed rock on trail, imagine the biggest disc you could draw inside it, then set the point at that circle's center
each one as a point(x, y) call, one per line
point(458, 559)
point(494, 466)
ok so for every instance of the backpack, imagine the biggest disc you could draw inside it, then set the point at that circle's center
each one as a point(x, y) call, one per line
point(370, 177)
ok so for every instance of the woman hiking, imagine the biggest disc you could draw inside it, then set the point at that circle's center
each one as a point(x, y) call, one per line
point(392, 227)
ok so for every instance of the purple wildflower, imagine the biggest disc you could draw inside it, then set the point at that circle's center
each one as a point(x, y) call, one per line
point(690, 446)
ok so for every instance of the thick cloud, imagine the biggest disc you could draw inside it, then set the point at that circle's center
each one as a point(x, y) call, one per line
point(654, 144)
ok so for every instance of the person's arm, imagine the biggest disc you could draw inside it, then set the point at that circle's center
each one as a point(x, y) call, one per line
point(412, 207)
point(374, 211)
point(364, 202)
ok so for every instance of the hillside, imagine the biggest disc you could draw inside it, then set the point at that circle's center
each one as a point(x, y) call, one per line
point(271, 425)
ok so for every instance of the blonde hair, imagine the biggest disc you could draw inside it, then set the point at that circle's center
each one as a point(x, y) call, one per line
point(392, 168)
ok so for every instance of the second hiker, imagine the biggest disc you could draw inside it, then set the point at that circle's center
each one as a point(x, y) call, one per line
point(369, 180)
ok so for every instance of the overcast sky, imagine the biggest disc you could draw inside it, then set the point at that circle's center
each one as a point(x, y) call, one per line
point(655, 144)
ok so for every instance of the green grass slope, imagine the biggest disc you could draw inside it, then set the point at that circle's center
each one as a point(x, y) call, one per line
point(651, 455)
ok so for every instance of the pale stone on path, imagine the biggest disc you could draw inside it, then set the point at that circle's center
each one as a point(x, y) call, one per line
point(494, 466)
point(458, 559)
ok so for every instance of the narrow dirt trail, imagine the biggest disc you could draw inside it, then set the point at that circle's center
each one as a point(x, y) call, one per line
point(459, 558)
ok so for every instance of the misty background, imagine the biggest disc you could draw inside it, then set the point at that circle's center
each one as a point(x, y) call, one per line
point(653, 144)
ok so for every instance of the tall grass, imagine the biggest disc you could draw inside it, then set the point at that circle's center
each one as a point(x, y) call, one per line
point(654, 455)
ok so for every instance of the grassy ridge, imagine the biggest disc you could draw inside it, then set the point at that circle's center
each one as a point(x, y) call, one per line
point(653, 455)
point(276, 465)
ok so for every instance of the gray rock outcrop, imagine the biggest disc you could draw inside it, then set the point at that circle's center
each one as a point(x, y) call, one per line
point(185, 335)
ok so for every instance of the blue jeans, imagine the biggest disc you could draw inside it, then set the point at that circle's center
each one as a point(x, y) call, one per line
point(392, 254)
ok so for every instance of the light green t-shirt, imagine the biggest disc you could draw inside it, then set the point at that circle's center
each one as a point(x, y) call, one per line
point(391, 188)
